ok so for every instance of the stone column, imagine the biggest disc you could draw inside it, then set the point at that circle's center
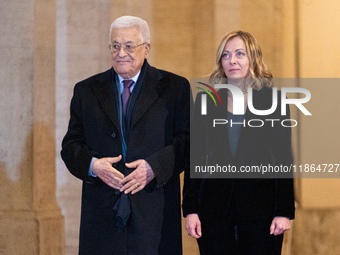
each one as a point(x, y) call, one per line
point(30, 219)
point(82, 37)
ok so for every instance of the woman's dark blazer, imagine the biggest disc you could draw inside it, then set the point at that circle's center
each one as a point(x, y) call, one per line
point(158, 133)
point(254, 198)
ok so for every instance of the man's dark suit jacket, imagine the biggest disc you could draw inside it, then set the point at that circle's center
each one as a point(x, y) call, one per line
point(254, 199)
point(159, 131)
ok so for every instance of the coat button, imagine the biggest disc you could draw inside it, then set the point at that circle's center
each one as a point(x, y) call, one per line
point(113, 135)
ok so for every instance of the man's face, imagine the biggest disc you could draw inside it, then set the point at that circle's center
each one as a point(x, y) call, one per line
point(126, 64)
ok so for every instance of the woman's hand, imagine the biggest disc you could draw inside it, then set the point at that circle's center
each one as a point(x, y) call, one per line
point(193, 225)
point(279, 225)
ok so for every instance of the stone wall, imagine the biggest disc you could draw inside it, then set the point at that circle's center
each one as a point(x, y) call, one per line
point(30, 218)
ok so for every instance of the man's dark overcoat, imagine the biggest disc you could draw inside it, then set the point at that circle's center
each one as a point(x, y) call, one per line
point(158, 132)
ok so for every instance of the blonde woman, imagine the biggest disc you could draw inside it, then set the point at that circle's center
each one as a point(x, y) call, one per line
point(240, 215)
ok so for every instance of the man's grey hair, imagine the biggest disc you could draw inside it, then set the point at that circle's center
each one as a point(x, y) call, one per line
point(129, 22)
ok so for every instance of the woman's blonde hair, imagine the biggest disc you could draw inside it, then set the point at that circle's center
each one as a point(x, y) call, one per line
point(258, 70)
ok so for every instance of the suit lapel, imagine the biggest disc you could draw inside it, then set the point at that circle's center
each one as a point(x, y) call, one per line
point(107, 96)
point(150, 90)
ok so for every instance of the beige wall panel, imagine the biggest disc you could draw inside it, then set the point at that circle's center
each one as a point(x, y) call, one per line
point(319, 56)
point(227, 19)
point(316, 228)
point(173, 36)
point(319, 38)
point(287, 43)
point(316, 232)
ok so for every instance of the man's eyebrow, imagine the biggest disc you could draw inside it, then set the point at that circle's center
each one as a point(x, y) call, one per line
point(114, 41)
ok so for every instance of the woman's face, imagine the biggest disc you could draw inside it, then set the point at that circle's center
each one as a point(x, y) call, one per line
point(234, 59)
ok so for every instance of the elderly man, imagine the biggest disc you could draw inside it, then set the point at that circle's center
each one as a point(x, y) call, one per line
point(127, 140)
